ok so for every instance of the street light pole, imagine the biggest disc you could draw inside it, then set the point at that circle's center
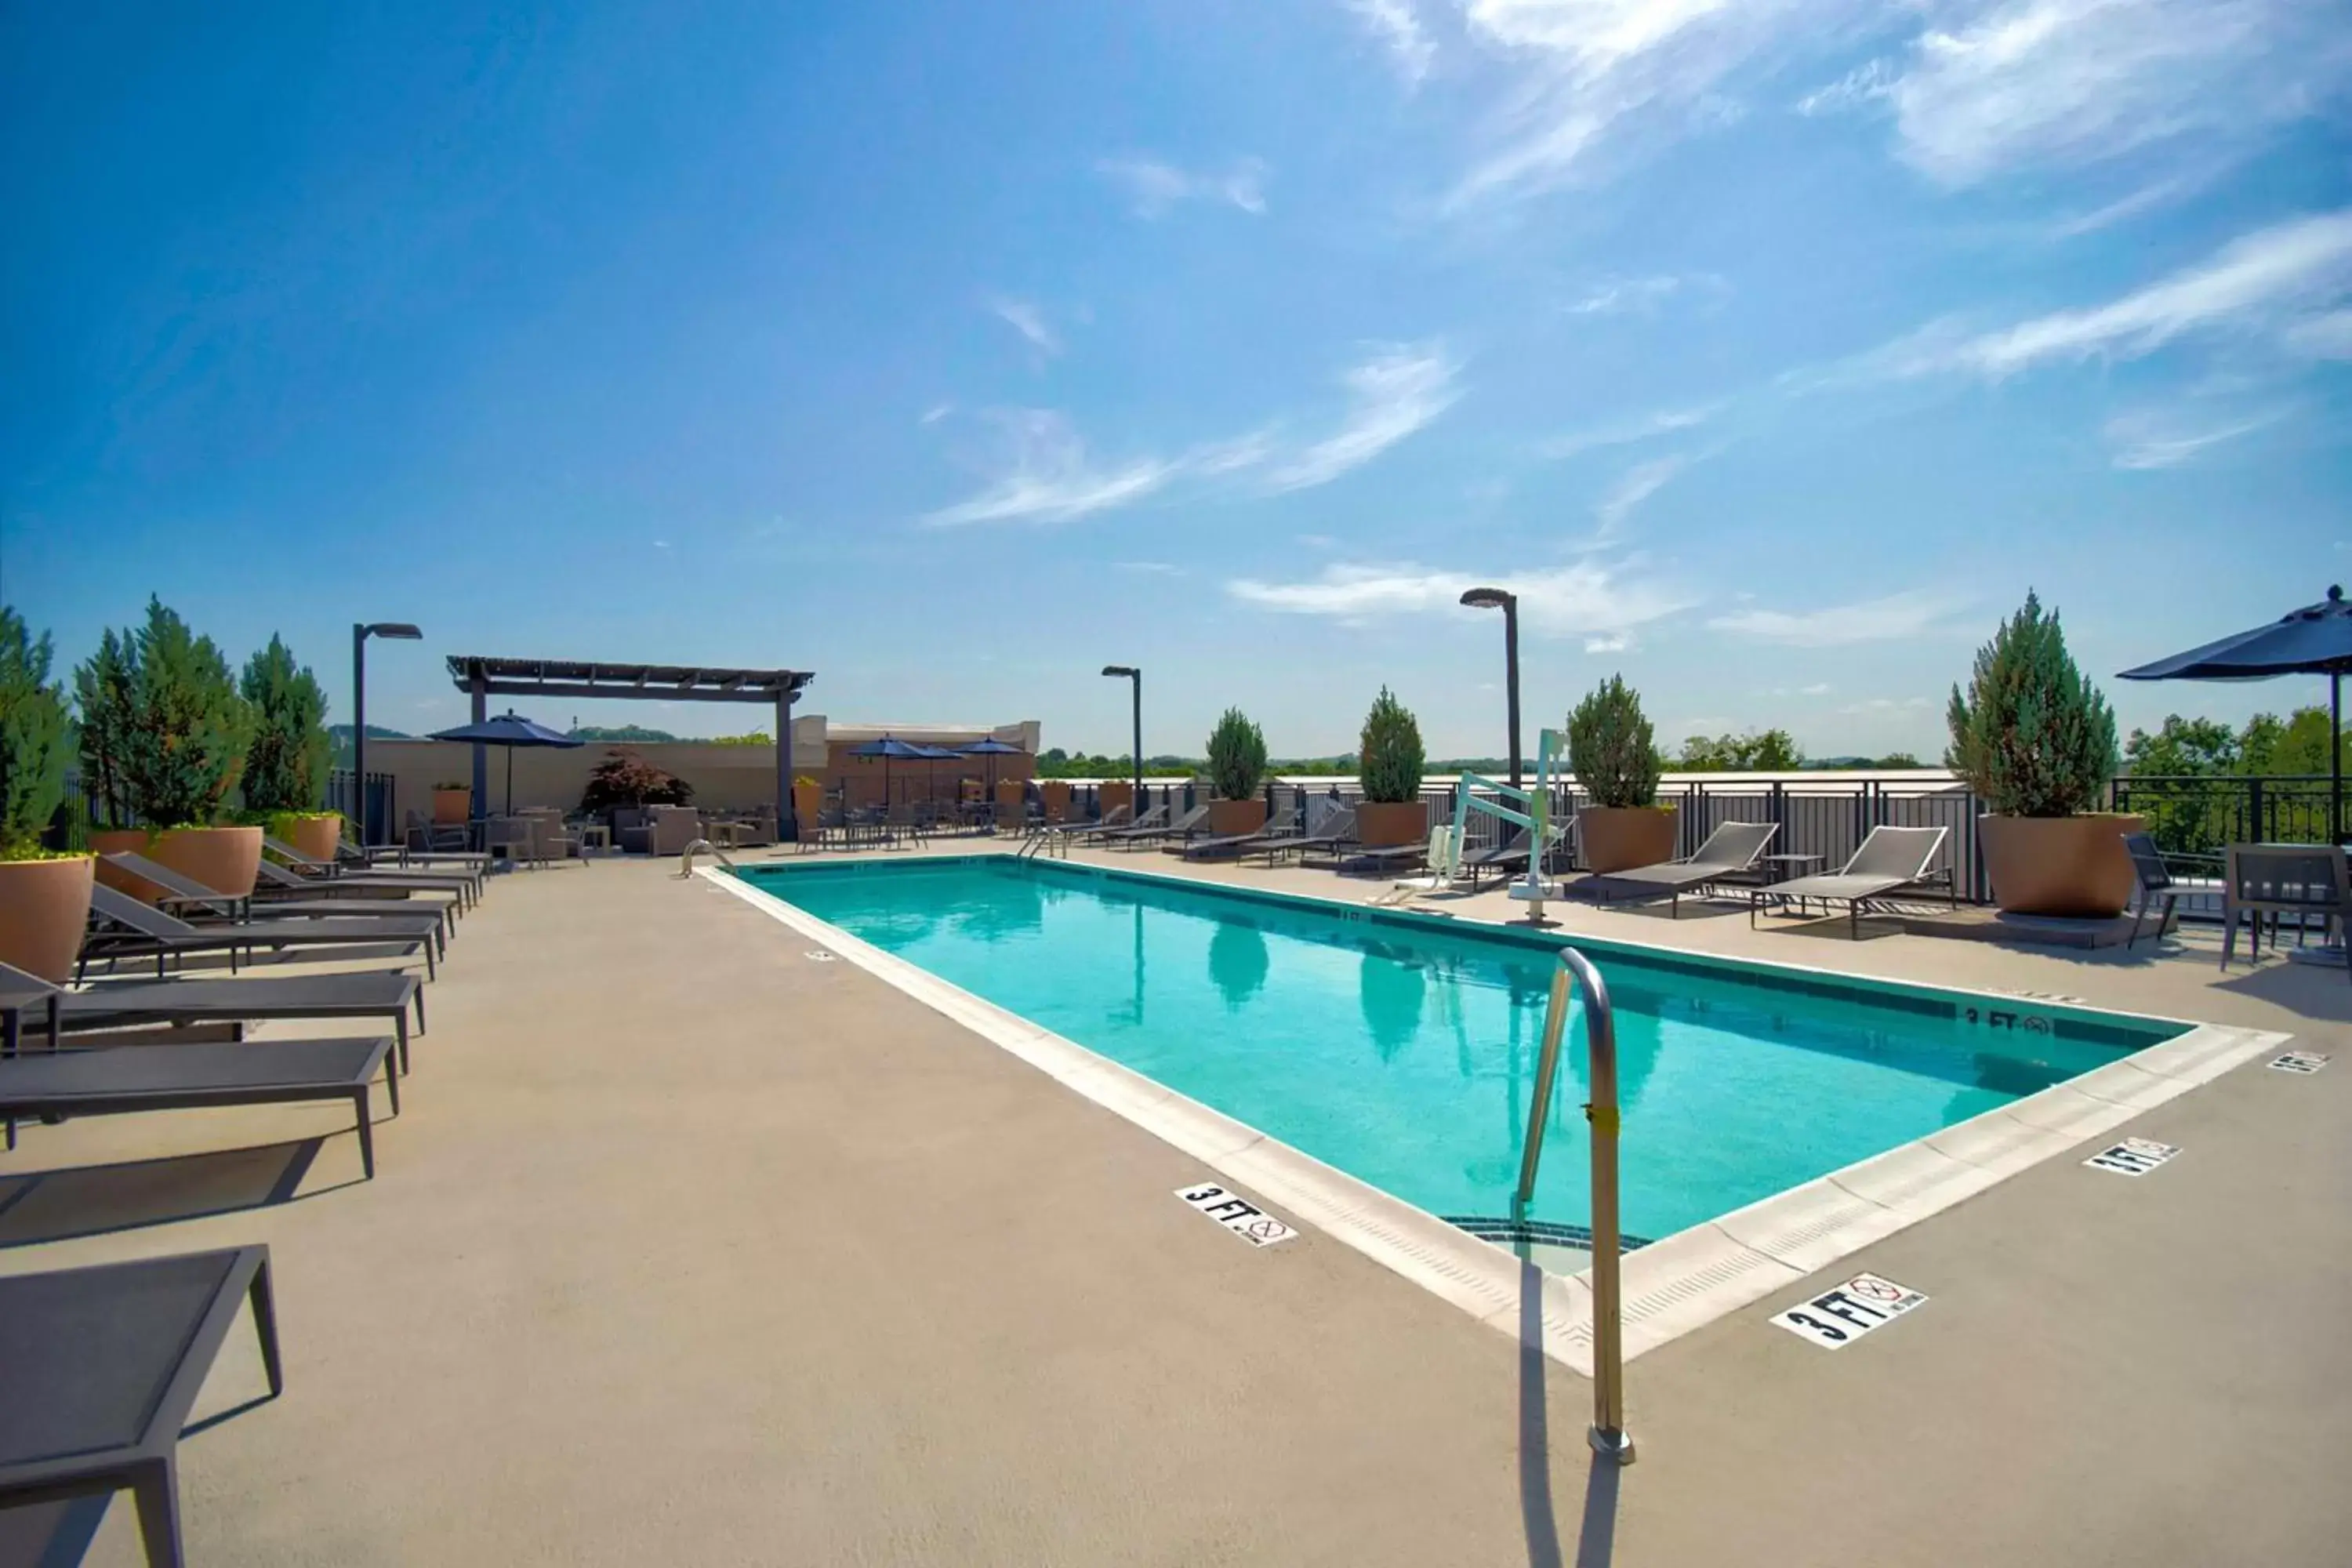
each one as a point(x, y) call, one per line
point(1134, 807)
point(361, 632)
point(1508, 603)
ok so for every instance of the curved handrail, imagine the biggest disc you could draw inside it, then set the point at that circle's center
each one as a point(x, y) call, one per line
point(1608, 1434)
point(686, 857)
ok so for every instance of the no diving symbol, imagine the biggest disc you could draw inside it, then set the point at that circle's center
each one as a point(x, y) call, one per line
point(1877, 1290)
point(1266, 1229)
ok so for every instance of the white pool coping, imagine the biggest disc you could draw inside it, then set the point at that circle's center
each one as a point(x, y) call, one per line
point(1670, 1287)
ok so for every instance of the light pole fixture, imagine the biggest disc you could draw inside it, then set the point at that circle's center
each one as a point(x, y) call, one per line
point(400, 631)
point(1135, 808)
point(1508, 603)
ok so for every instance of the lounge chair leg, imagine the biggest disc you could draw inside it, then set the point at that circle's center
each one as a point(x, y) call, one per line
point(432, 970)
point(402, 1021)
point(420, 1009)
point(157, 1491)
point(265, 1328)
point(367, 1132)
point(392, 1085)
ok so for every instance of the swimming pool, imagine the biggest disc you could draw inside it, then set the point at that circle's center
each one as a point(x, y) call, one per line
point(1401, 1049)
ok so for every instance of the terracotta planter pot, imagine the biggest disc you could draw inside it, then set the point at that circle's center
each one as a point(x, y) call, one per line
point(1380, 823)
point(808, 806)
point(44, 908)
point(1619, 837)
point(1056, 794)
point(453, 805)
point(1227, 817)
point(317, 837)
point(2067, 866)
point(1012, 801)
point(1111, 797)
point(226, 859)
point(114, 841)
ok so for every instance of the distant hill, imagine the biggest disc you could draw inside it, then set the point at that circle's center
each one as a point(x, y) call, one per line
point(619, 733)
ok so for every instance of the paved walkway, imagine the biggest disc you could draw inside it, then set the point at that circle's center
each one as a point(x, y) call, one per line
point(690, 1250)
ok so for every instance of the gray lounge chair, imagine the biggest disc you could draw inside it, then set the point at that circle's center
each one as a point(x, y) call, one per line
point(1731, 850)
point(1236, 844)
point(2156, 885)
point(102, 1366)
point(1184, 826)
point(467, 877)
point(116, 1078)
point(142, 929)
point(187, 893)
point(1382, 858)
point(1891, 861)
point(1111, 821)
point(1337, 828)
point(275, 882)
point(386, 994)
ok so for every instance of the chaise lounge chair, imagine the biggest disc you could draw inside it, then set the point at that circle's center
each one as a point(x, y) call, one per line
point(385, 994)
point(1339, 828)
point(1185, 826)
point(140, 930)
point(1110, 821)
point(275, 882)
point(185, 892)
point(115, 1079)
point(103, 1366)
point(1731, 850)
point(1236, 844)
point(469, 877)
point(1891, 861)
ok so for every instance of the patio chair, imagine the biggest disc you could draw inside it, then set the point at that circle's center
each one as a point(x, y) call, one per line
point(513, 838)
point(450, 852)
point(549, 842)
point(2155, 883)
point(1891, 861)
point(386, 994)
point(184, 893)
point(2275, 879)
point(674, 827)
point(1731, 850)
point(301, 869)
point(142, 929)
point(104, 1365)
point(632, 830)
point(424, 835)
point(114, 1079)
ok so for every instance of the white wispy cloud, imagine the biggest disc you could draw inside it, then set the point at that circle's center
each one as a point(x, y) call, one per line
point(1150, 568)
point(1640, 296)
point(1893, 618)
point(1399, 388)
point(2327, 335)
point(1818, 689)
point(1396, 26)
point(935, 413)
point(1048, 477)
point(1586, 598)
point(1881, 705)
point(1155, 187)
point(1664, 421)
point(1029, 320)
point(1634, 486)
point(1868, 83)
point(1232, 455)
point(2146, 198)
point(2069, 82)
point(2168, 438)
point(1613, 642)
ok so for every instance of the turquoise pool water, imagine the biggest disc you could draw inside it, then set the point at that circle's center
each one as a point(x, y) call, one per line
point(1402, 1051)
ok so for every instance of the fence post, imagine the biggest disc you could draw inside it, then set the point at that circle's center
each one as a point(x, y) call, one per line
point(2257, 831)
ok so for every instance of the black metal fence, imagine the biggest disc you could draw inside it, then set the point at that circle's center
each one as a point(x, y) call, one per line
point(69, 829)
point(2199, 815)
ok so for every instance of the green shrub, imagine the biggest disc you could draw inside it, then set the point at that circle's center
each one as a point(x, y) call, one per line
point(1236, 756)
point(176, 729)
point(102, 698)
point(36, 738)
point(286, 765)
point(1389, 758)
point(1609, 749)
point(2033, 737)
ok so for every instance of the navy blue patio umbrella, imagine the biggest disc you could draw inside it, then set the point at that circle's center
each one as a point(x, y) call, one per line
point(2314, 640)
point(890, 748)
point(991, 748)
point(509, 729)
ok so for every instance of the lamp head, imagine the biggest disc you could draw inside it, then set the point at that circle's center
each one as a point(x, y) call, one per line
point(1120, 670)
point(399, 630)
point(1489, 599)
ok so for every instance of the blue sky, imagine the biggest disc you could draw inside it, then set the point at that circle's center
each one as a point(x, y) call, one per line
point(1770, 351)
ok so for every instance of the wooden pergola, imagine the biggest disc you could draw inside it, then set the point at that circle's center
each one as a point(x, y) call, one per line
point(484, 679)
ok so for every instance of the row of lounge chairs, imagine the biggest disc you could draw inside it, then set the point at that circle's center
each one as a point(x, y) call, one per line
point(1891, 861)
point(101, 1364)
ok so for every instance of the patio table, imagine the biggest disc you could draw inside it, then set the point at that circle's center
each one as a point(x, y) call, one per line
point(102, 1365)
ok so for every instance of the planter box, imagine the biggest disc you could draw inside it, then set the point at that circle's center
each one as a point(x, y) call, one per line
point(44, 910)
point(453, 805)
point(1056, 794)
point(1113, 795)
point(1380, 823)
point(317, 837)
point(2071, 867)
point(225, 859)
point(1012, 803)
point(1619, 837)
point(808, 807)
point(1228, 817)
point(106, 841)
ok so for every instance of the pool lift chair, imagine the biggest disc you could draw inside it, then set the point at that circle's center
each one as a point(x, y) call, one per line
point(1533, 813)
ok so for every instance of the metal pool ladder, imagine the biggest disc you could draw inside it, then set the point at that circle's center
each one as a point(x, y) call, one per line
point(686, 860)
point(1608, 1434)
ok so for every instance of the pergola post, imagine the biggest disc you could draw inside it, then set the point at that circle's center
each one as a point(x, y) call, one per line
point(480, 808)
point(787, 820)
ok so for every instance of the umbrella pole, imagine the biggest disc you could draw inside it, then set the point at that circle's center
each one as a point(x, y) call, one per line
point(2334, 757)
point(509, 781)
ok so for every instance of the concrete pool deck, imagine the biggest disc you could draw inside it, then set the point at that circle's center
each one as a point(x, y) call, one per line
point(688, 1249)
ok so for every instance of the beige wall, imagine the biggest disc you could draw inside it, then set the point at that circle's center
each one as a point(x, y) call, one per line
point(726, 778)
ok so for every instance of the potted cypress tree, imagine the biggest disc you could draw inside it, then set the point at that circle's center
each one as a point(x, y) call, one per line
point(44, 897)
point(285, 776)
point(179, 747)
point(1388, 762)
point(2037, 744)
point(103, 702)
point(1610, 751)
point(1236, 768)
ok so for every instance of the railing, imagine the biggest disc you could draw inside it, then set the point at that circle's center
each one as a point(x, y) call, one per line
point(2203, 814)
point(69, 828)
point(1608, 1434)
